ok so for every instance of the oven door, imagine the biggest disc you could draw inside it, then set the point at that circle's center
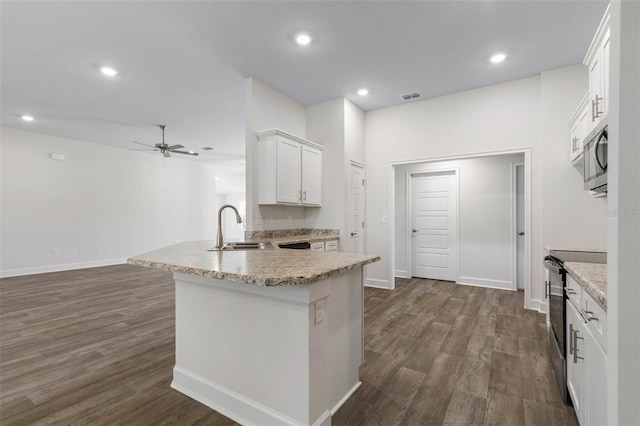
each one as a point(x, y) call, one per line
point(556, 301)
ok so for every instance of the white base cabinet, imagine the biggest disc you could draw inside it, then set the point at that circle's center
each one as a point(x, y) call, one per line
point(586, 358)
point(289, 170)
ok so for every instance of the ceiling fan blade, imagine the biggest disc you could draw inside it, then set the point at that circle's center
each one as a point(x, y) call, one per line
point(185, 152)
point(144, 144)
point(166, 154)
point(143, 149)
point(172, 147)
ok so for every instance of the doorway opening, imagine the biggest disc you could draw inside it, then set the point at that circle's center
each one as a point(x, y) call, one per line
point(486, 220)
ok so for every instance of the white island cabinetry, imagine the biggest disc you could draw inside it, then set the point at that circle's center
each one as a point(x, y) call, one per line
point(586, 358)
point(289, 169)
point(266, 337)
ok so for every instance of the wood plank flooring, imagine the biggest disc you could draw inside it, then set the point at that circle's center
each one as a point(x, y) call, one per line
point(96, 346)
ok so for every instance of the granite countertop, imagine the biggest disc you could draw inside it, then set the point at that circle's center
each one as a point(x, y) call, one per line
point(271, 267)
point(592, 277)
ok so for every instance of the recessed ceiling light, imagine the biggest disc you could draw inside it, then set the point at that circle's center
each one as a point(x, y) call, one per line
point(497, 58)
point(303, 39)
point(27, 118)
point(109, 72)
point(216, 178)
point(363, 92)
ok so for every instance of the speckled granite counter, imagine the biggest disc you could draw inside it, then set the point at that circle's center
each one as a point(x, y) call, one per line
point(312, 238)
point(272, 267)
point(592, 277)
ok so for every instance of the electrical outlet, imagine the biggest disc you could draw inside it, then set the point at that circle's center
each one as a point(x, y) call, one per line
point(385, 219)
point(81, 249)
point(54, 251)
point(272, 218)
point(321, 310)
point(259, 220)
point(290, 219)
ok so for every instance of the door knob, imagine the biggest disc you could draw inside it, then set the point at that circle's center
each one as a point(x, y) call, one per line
point(353, 234)
point(521, 233)
point(415, 230)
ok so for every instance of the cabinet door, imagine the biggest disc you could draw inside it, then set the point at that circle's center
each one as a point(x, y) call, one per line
point(311, 176)
point(596, 384)
point(575, 360)
point(604, 59)
point(288, 171)
point(595, 88)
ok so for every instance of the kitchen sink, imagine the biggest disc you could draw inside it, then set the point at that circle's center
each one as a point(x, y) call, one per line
point(244, 246)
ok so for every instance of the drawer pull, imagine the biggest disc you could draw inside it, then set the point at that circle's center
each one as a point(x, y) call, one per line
point(590, 316)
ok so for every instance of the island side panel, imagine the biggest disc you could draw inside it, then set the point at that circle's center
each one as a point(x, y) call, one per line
point(252, 353)
point(345, 336)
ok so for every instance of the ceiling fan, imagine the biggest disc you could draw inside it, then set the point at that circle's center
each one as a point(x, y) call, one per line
point(165, 149)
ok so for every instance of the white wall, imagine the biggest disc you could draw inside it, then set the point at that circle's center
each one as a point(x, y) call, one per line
point(100, 206)
point(485, 222)
point(506, 116)
point(623, 268)
point(570, 216)
point(266, 108)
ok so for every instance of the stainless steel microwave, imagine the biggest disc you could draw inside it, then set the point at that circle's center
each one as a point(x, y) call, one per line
point(595, 160)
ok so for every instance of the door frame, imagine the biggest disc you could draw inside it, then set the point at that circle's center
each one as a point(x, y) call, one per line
point(408, 212)
point(529, 303)
point(514, 226)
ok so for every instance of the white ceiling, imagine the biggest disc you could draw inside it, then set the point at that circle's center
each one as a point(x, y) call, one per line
point(183, 63)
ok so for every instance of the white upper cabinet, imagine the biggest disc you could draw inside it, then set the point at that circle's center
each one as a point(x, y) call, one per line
point(289, 169)
point(597, 61)
point(578, 129)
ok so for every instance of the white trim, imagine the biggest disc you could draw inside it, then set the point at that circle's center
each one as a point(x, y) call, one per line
point(229, 403)
point(401, 273)
point(62, 267)
point(538, 305)
point(462, 156)
point(356, 163)
point(345, 398)
point(372, 282)
point(483, 282)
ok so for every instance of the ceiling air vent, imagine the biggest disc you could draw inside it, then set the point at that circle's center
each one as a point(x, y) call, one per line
point(410, 96)
point(207, 148)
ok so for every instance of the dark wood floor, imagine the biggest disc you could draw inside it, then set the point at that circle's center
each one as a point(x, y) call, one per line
point(96, 346)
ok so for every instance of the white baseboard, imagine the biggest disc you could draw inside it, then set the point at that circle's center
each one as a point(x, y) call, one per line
point(481, 282)
point(402, 274)
point(538, 305)
point(344, 398)
point(232, 404)
point(372, 282)
point(63, 267)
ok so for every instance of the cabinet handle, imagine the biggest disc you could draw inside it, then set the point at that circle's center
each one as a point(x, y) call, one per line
point(593, 110)
point(597, 106)
point(546, 292)
point(575, 144)
point(570, 291)
point(590, 316)
point(575, 347)
point(305, 195)
point(571, 339)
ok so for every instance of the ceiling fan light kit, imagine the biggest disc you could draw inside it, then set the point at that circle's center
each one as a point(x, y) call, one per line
point(165, 149)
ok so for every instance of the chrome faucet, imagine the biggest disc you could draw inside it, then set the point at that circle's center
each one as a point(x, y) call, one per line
point(219, 238)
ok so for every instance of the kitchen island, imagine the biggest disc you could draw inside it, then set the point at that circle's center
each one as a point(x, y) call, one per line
point(266, 336)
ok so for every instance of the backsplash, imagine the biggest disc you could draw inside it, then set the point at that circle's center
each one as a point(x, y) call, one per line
point(276, 233)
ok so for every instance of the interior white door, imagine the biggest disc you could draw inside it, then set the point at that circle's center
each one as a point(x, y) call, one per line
point(520, 238)
point(434, 225)
point(356, 208)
